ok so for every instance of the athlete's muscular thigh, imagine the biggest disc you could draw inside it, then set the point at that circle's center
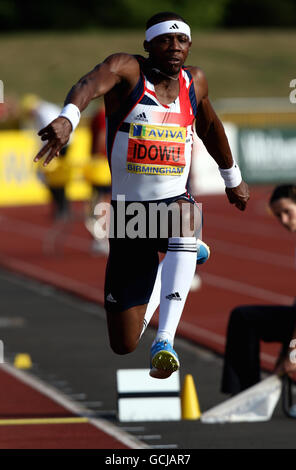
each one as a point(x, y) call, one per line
point(125, 328)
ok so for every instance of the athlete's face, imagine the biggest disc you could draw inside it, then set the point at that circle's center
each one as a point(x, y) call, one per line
point(285, 210)
point(169, 51)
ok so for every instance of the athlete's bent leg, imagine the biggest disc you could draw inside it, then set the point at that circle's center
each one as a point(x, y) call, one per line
point(176, 277)
point(125, 328)
point(130, 276)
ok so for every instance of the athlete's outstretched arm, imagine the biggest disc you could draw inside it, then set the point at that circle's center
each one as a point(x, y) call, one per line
point(211, 131)
point(103, 78)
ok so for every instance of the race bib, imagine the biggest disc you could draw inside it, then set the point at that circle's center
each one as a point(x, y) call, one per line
point(156, 149)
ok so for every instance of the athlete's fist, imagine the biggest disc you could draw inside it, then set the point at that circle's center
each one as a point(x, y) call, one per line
point(239, 195)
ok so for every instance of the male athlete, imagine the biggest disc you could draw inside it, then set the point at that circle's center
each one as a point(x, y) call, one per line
point(151, 106)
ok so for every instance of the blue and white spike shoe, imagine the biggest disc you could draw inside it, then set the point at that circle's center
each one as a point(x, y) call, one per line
point(203, 252)
point(163, 360)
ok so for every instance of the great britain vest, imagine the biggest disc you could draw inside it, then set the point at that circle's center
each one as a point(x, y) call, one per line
point(149, 144)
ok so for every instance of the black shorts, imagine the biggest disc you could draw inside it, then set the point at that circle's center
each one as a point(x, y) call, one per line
point(132, 265)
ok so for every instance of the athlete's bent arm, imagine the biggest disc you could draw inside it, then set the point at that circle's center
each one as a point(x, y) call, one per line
point(101, 80)
point(211, 131)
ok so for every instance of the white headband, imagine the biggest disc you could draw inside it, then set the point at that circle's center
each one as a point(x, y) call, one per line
point(166, 27)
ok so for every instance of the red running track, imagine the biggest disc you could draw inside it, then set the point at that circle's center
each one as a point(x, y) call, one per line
point(252, 262)
point(22, 401)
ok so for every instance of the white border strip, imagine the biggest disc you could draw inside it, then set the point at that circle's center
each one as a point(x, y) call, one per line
point(58, 397)
point(252, 254)
point(246, 289)
point(228, 223)
point(49, 277)
point(189, 328)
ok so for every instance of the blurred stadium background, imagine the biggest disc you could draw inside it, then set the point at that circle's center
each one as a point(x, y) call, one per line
point(246, 49)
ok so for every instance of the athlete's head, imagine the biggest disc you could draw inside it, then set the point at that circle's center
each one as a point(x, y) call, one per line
point(283, 204)
point(168, 39)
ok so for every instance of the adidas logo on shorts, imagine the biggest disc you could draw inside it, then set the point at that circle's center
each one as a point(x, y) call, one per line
point(174, 296)
point(110, 298)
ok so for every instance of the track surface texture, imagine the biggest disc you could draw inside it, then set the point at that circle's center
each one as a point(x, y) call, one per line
point(52, 289)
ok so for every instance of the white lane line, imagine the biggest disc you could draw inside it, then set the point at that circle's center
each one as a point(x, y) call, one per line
point(133, 428)
point(232, 224)
point(246, 289)
point(94, 404)
point(164, 446)
point(186, 327)
point(70, 405)
point(79, 243)
point(44, 275)
point(48, 290)
point(97, 295)
point(41, 233)
point(267, 358)
point(202, 332)
point(244, 252)
point(12, 322)
point(216, 281)
point(78, 396)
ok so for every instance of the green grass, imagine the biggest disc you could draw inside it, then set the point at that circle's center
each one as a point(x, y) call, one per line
point(237, 64)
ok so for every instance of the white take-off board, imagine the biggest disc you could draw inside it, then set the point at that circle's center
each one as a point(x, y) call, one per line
point(143, 398)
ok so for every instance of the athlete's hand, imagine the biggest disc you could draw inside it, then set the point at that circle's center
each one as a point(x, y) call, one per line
point(239, 195)
point(57, 133)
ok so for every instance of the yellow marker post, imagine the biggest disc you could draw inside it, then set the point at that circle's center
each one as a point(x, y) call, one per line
point(23, 361)
point(189, 400)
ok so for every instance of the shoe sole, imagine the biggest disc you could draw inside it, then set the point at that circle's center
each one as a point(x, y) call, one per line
point(160, 374)
point(165, 362)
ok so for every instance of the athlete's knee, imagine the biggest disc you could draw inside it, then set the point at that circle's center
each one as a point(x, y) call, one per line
point(123, 347)
point(124, 330)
